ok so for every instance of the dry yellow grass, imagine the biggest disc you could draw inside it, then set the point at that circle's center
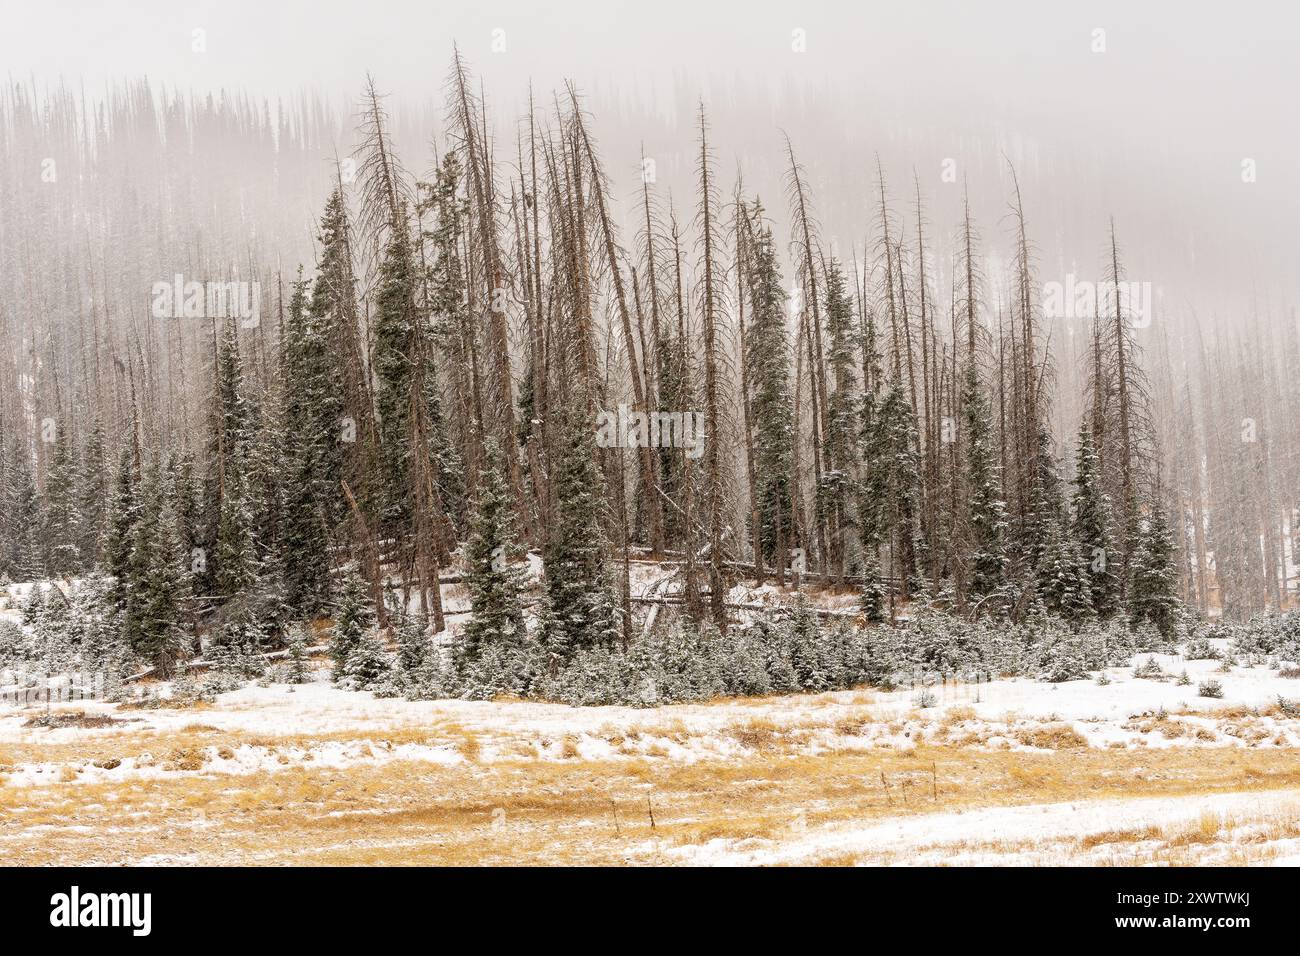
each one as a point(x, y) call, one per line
point(1053, 737)
point(518, 795)
point(524, 809)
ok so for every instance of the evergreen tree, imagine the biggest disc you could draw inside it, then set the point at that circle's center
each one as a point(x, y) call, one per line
point(988, 521)
point(231, 433)
point(368, 662)
point(156, 603)
point(22, 505)
point(1153, 595)
point(1063, 577)
point(123, 515)
point(873, 590)
point(333, 411)
point(767, 360)
point(414, 646)
point(580, 610)
point(1047, 507)
point(93, 614)
point(93, 495)
point(61, 532)
point(840, 445)
point(235, 558)
point(494, 580)
point(298, 669)
point(231, 426)
point(872, 516)
point(890, 499)
point(1091, 526)
point(265, 484)
point(311, 464)
point(352, 615)
point(445, 284)
point(185, 506)
point(392, 351)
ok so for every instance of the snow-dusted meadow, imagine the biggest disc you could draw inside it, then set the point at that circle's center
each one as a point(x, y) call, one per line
point(1169, 776)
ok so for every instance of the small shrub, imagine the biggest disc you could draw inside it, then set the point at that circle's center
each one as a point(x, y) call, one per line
point(368, 663)
point(924, 698)
point(1149, 670)
point(1053, 737)
point(1210, 688)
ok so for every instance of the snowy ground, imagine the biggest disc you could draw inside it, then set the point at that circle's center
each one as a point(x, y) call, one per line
point(1010, 771)
point(1208, 829)
point(1129, 772)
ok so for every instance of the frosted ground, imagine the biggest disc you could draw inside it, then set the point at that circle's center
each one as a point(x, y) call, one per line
point(1010, 771)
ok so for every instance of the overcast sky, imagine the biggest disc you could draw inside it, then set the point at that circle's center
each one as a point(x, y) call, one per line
point(1154, 129)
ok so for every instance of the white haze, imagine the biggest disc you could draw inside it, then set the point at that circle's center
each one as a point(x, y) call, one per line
point(1153, 131)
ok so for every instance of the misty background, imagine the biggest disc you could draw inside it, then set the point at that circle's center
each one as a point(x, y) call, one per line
point(1154, 130)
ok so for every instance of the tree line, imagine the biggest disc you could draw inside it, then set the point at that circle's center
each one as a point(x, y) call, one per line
point(420, 401)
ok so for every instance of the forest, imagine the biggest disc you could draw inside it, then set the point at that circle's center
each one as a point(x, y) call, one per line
point(252, 403)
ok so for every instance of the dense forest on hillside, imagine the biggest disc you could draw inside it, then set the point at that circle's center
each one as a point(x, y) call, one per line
point(241, 395)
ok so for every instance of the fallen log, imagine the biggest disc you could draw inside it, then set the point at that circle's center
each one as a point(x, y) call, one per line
point(202, 664)
point(678, 601)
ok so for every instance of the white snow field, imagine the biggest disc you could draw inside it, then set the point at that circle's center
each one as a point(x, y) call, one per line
point(1012, 771)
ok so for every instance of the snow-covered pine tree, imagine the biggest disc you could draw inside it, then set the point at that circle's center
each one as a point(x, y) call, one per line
point(413, 644)
point(987, 561)
point(297, 669)
point(871, 503)
point(840, 447)
point(874, 598)
point(160, 588)
point(229, 493)
point(1063, 577)
point(22, 547)
point(368, 663)
point(768, 362)
point(123, 515)
point(309, 436)
point(1153, 594)
point(494, 580)
point(451, 327)
point(580, 609)
point(93, 495)
point(61, 531)
point(1047, 507)
point(891, 485)
point(6, 516)
point(1091, 526)
point(266, 489)
point(352, 615)
point(337, 408)
point(92, 614)
point(392, 348)
point(186, 507)
point(236, 556)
